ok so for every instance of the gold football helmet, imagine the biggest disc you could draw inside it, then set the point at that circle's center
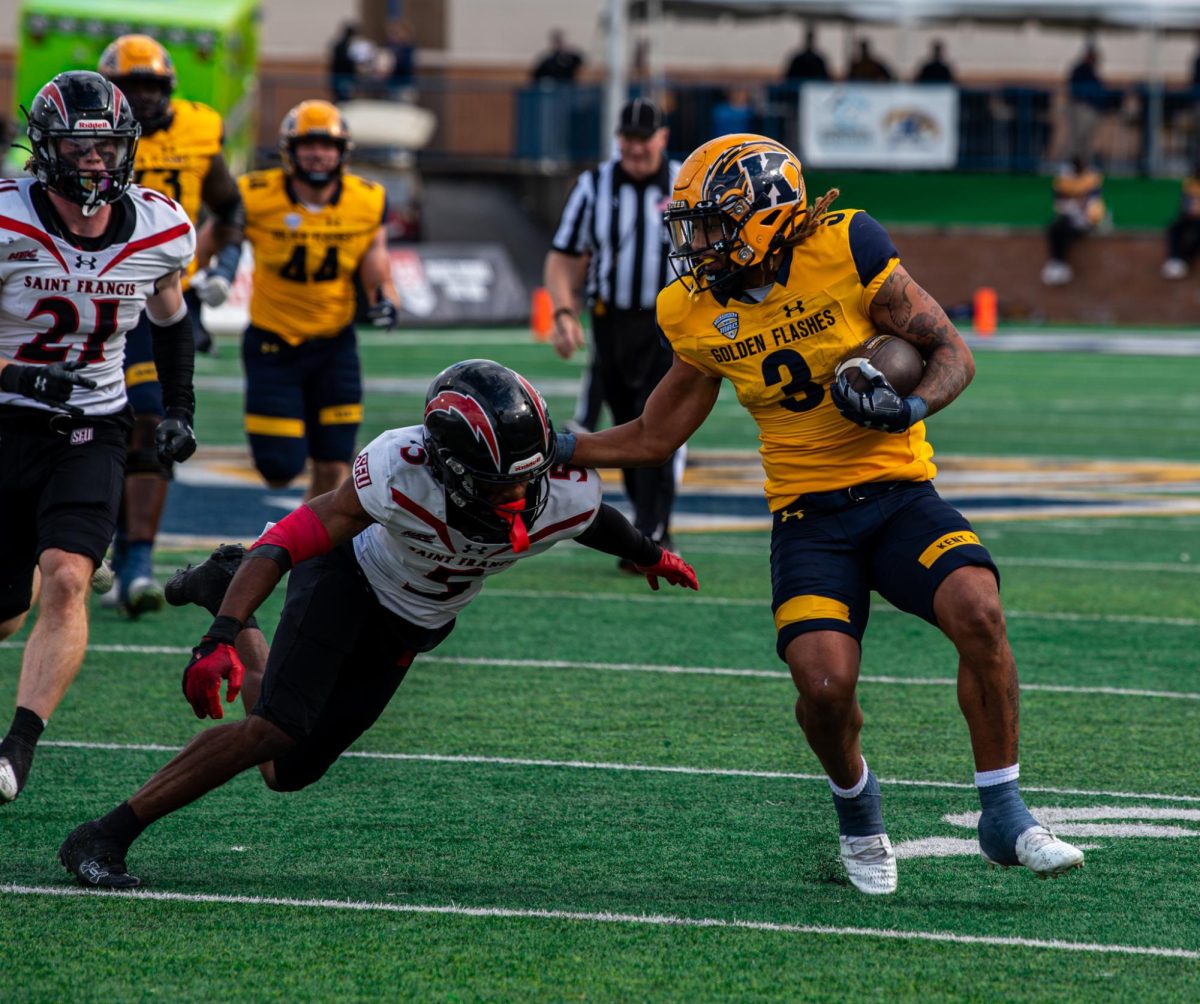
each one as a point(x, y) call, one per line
point(736, 199)
point(314, 119)
point(143, 70)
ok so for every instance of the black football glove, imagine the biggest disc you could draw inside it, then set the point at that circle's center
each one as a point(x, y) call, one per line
point(174, 438)
point(383, 313)
point(879, 407)
point(50, 384)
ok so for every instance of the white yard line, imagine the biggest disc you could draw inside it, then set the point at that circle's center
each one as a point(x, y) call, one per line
point(581, 917)
point(636, 768)
point(650, 667)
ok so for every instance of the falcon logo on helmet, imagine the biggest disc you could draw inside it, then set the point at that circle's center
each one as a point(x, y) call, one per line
point(737, 199)
point(142, 68)
point(314, 120)
point(82, 138)
point(486, 429)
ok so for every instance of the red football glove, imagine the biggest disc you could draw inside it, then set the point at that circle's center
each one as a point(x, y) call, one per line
point(672, 568)
point(212, 662)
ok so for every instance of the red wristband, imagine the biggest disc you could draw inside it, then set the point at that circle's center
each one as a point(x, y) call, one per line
point(301, 533)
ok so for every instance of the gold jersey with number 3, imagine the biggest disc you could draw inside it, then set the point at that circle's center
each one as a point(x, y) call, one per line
point(176, 160)
point(780, 355)
point(304, 256)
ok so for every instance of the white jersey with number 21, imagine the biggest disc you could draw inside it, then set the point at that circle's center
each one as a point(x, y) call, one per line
point(59, 303)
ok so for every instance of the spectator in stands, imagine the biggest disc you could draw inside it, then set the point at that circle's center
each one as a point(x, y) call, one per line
point(734, 114)
point(1078, 208)
point(866, 66)
point(1183, 235)
point(936, 70)
point(343, 70)
point(806, 63)
point(403, 58)
point(560, 64)
point(1089, 99)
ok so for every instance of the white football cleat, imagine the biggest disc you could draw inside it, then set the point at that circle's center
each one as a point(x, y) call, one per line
point(110, 600)
point(103, 578)
point(1045, 855)
point(9, 789)
point(1056, 273)
point(145, 596)
point(871, 863)
point(1174, 268)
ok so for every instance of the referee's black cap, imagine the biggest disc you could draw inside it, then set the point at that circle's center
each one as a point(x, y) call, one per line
point(640, 118)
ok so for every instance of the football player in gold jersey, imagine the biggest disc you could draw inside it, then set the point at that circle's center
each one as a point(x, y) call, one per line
point(312, 226)
point(179, 155)
point(771, 294)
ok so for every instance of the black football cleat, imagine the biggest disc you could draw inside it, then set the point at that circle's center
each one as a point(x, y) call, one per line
point(97, 861)
point(205, 584)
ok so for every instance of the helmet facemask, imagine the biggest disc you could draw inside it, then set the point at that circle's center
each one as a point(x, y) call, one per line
point(83, 138)
point(150, 98)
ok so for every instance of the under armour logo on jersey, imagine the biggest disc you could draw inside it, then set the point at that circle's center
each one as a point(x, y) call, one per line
point(791, 514)
point(793, 308)
point(85, 261)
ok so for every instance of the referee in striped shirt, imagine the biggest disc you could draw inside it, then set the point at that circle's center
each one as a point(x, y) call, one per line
point(612, 244)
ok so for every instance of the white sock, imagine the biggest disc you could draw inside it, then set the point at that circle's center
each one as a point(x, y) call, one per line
point(858, 787)
point(1002, 775)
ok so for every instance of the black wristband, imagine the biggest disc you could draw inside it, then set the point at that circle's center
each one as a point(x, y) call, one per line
point(225, 630)
point(564, 310)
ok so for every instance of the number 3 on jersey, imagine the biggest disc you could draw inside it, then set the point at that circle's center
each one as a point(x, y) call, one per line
point(801, 392)
point(296, 267)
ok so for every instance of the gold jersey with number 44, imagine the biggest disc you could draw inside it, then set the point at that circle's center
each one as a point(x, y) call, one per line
point(304, 256)
point(780, 355)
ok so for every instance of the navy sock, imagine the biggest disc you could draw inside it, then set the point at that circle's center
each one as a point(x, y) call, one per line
point(861, 816)
point(139, 561)
point(1005, 817)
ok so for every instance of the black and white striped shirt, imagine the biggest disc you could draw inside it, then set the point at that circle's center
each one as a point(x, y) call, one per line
point(618, 221)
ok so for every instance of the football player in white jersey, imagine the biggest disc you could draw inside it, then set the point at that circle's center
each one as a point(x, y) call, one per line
point(381, 566)
point(82, 253)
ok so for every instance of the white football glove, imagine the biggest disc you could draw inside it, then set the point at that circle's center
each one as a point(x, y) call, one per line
point(213, 290)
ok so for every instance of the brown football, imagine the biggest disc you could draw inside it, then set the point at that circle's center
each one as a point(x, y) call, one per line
point(895, 358)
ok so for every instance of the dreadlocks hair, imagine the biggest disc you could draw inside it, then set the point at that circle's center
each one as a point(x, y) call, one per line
point(811, 219)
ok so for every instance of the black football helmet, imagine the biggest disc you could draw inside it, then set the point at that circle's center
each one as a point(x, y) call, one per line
point(487, 427)
point(77, 115)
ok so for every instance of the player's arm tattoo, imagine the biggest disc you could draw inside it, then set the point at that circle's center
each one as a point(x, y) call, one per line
point(902, 308)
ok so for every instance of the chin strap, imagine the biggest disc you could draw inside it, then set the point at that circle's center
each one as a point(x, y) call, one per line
point(518, 536)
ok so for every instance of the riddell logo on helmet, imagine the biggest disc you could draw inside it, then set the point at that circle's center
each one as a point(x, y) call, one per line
point(527, 464)
point(93, 124)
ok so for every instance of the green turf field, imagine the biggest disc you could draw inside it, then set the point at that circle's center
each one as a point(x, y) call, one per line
point(596, 792)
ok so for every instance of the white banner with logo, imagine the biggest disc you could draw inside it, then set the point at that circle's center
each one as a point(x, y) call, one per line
point(879, 125)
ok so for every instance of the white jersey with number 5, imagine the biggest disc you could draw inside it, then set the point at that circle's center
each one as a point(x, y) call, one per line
point(420, 567)
point(59, 303)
